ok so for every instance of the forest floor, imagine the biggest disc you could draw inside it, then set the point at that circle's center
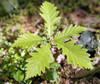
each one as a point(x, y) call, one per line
point(70, 74)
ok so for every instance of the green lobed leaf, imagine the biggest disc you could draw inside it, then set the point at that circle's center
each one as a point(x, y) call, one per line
point(49, 14)
point(27, 40)
point(72, 30)
point(18, 76)
point(69, 31)
point(51, 75)
point(39, 61)
point(54, 65)
point(74, 53)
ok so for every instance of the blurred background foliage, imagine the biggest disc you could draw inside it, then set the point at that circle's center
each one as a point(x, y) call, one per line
point(17, 6)
point(13, 21)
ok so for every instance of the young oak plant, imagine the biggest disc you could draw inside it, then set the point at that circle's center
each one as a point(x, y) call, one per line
point(43, 57)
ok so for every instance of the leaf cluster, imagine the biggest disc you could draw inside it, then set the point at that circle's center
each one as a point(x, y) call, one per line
point(41, 59)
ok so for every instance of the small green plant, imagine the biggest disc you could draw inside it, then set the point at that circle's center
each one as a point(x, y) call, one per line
point(42, 55)
point(12, 65)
